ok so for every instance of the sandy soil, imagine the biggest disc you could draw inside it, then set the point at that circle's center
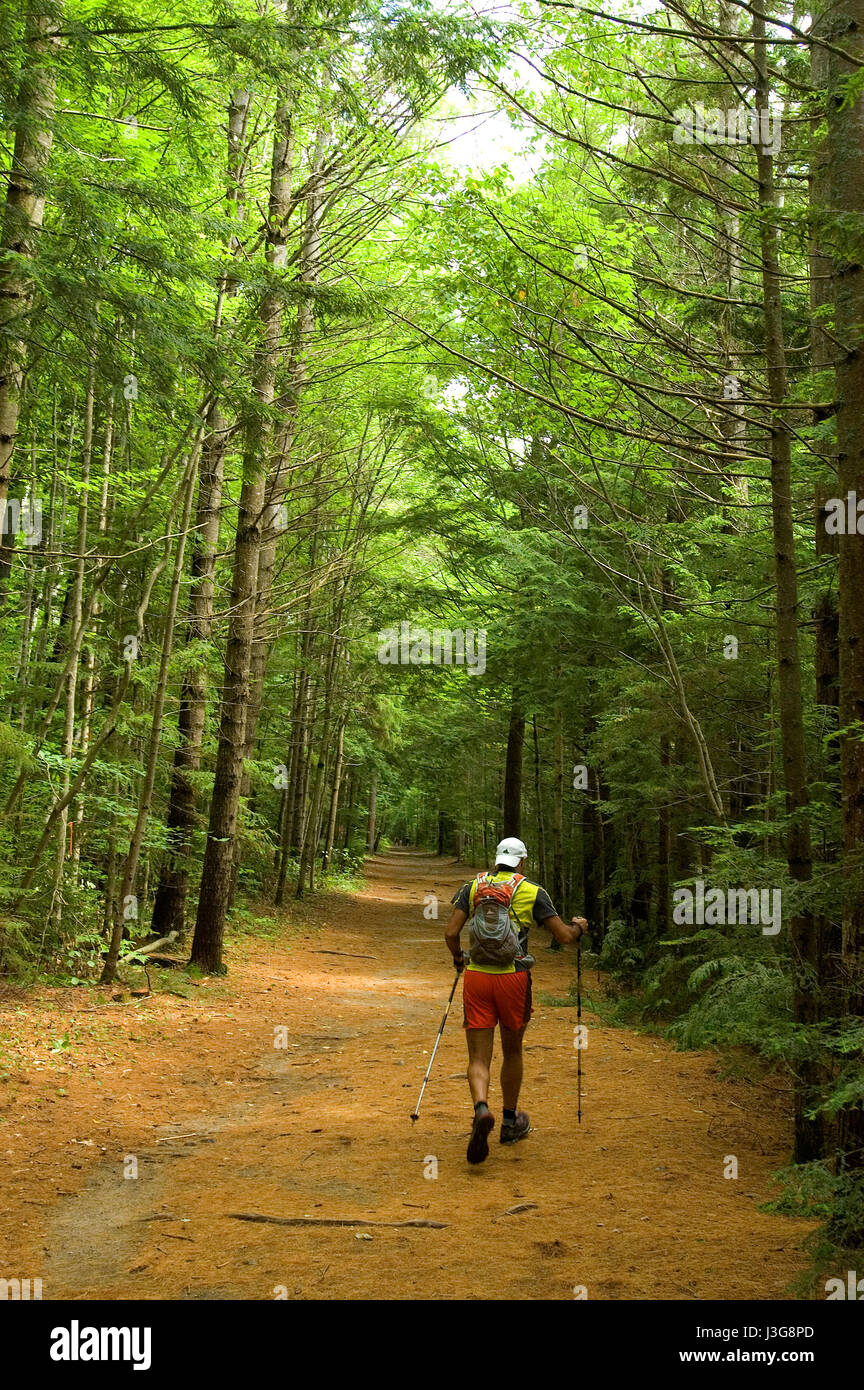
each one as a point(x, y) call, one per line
point(218, 1119)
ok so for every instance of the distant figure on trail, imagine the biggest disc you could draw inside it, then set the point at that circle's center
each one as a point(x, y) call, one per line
point(500, 907)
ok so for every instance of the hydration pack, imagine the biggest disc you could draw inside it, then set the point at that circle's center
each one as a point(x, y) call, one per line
point(493, 937)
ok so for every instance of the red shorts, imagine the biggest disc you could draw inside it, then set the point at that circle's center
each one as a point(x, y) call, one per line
point(491, 999)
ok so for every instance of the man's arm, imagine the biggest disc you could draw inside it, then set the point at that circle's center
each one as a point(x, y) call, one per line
point(562, 932)
point(451, 935)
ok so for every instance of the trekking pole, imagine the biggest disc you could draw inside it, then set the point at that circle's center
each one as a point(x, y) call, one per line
point(435, 1048)
point(579, 1027)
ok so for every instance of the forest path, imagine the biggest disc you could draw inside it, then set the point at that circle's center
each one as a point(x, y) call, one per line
point(631, 1204)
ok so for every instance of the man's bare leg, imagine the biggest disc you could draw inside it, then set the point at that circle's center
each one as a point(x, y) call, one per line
point(511, 1066)
point(515, 1124)
point(480, 1044)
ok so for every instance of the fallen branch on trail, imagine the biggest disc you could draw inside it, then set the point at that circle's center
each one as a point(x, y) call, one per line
point(352, 954)
point(152, 946)
point(326, 1221)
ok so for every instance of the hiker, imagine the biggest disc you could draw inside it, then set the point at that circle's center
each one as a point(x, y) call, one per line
point(497, 986)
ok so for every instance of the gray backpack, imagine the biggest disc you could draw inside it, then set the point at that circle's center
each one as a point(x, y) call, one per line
point(492, 935)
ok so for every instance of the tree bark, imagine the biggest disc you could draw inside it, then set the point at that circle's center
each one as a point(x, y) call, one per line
point(55, 911)
point(217, 873)
point(846, 154)
point(513, 769)
point(373, 806)
point(803, 928)
point(22, 217)
point(280, 471)
point(145, 800)
point(169, 909)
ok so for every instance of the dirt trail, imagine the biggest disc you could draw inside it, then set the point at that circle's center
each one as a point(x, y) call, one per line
point(219, 1120)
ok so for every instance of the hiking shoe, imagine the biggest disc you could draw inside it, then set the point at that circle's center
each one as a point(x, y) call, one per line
point(478, 1144)
point(511, 1130)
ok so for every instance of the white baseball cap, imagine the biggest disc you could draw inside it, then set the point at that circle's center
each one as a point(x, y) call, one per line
point(510, 852)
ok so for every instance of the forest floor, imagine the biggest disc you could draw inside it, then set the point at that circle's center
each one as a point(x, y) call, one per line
point(220, 1120)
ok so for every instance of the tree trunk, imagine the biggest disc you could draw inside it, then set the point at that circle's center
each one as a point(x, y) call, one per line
point(370, 826)
point(280, 469)
point(846, 154)
point(55, 912)
point(592, 862)
point(217, 873)
point(169, 909)
point(145, 801)
point(803, 928)
point(349, 810)
point(513, 770)
point(334, 797)
point(556, 884)
point(22, 217)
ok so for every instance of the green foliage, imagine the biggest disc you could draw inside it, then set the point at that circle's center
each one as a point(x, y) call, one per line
point(621, 953)
point(17, 951)
point(742, 1002)
point(809, 1190)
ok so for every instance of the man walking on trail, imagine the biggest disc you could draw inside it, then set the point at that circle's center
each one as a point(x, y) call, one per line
point(500, 907)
